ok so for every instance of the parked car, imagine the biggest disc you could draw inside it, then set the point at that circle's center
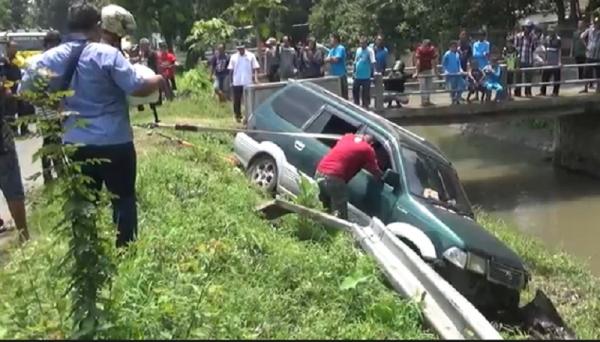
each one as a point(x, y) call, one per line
point(420, 187)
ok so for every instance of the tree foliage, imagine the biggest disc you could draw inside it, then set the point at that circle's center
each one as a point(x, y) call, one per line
point(208, 33)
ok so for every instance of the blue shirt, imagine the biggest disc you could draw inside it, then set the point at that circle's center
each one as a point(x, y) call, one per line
point(363, 62)
point(339, 68)
point(493, 75)
point(101, 83)
point(381, 56)
point(481, 49)
point(451, 62)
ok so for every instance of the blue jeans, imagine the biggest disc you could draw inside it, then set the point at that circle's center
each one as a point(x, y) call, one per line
point(456, 85)
point(497, 87)
point(118, 174)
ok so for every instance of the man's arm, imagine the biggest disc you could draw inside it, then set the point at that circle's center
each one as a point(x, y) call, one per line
point(373, 60)
point(255, 68)
point(130, 82)
point(371, 164)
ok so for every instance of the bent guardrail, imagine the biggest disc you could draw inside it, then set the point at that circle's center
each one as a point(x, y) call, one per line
point(447, 312)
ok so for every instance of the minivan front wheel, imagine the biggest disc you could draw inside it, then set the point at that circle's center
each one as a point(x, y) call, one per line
point(262, 172)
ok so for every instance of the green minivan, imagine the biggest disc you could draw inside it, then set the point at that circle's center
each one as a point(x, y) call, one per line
point(420, 198)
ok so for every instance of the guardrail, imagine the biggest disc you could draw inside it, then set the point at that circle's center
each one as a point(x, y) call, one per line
point(446, 311)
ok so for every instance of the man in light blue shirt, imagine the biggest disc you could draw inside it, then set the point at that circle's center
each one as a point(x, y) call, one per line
point(452, 68)
point(381, 55)
point(101, 79)
point(337, 61)
point(364, 65)
point(481, 50)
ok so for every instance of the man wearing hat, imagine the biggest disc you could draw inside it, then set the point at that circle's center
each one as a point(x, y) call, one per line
point(525, 42)
point(101, 78)
point(592, 54)
point(244, 71)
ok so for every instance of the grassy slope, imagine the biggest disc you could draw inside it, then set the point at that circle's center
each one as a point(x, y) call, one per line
point(205, 265)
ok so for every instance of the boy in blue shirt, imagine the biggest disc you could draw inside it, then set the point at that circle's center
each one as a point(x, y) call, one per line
point(481, 50)
point(337, 60)
point(364, 65)
point(454, 79)
point(493, 80)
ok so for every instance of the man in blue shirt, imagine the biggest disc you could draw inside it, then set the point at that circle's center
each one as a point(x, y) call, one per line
point(481, 50)
point(364, 64)
point(381, 55)
point(337, 61)
point(101, 81)
point(453, 70)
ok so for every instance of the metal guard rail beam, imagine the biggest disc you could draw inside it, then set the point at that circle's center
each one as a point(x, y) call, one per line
point(444, 308)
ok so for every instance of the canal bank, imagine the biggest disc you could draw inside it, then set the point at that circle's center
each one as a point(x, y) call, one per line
point(507, 172)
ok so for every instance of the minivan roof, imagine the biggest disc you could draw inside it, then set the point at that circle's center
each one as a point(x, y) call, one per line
point(401, 134)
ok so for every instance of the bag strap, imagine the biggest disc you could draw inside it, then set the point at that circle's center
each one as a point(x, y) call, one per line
point(71, 68)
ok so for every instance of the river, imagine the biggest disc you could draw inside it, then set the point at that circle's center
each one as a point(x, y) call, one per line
point(518, 185)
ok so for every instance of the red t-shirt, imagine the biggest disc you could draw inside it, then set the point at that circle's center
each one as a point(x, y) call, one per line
point(348, 157)
point(169, 59)
point(426, 55)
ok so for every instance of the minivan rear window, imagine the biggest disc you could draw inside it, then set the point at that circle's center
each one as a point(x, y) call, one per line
point(296, 105)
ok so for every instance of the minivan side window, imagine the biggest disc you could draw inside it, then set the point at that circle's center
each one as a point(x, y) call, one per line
point(296, 105)
point(329, 123)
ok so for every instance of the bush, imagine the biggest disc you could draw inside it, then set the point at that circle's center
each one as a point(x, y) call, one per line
point(195, 83)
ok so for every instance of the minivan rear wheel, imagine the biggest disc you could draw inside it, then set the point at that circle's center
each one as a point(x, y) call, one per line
point(262, 172)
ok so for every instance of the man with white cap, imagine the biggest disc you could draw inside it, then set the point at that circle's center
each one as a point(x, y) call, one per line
point(243, 67)
point(101, 78)
point(525, 42)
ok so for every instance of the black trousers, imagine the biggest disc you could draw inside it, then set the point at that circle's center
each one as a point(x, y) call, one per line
point(526, 76)
point(581, 60)
point(547, 74)
point(119, 175)
point(361, 90)
point(593, 71)
point(344, 86)
point(238, 94)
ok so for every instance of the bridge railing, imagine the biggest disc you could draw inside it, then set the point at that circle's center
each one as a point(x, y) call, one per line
point(379, 92)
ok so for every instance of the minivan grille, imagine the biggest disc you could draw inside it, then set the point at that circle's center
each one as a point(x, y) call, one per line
point(507, 276)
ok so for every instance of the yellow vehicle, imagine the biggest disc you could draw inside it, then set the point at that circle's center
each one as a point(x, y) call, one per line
point(29, 43)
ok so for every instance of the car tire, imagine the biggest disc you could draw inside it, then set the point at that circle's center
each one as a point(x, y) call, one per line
point(262, 173)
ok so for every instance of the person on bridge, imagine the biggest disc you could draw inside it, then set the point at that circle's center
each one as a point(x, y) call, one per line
point(578, 49)
point(526, 43)
point(243, 67)
point(481, 50)
point(592, 36)
point(364, 66)
point(219, 72)
point(453, 71)
point(426, 57)
point(337, 60)
point(553, 58)
point(493, 80)
point(351, 154)
point(288, 60)
point(465, 49)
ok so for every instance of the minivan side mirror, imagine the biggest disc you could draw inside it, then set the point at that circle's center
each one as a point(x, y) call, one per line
point(392, 179)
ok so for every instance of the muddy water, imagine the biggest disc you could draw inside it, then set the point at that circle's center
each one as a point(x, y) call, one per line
point(517, 185)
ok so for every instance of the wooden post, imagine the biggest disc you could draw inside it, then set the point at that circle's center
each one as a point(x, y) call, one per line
point(379, 88)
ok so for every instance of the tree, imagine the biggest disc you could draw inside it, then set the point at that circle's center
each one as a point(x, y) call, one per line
point(4, 13)
point(254, 12)
point(206, 34)
point(18, 11)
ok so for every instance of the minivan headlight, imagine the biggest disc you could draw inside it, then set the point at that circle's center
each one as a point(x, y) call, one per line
point(456, 256)
point(476, 264)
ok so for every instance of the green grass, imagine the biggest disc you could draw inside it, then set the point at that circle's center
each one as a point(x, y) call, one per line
point(567, 281)
point(206, 265)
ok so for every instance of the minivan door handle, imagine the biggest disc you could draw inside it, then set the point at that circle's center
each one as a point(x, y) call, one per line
point(299, 145)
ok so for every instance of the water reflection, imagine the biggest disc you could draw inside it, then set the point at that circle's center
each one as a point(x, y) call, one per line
point(519, 185)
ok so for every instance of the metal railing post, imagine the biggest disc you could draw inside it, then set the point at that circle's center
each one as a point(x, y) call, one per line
point(379, 90)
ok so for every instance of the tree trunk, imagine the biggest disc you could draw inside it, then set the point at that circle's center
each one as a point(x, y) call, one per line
point(575, 11)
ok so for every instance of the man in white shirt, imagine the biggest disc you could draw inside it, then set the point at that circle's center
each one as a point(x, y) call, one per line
point(244, 71)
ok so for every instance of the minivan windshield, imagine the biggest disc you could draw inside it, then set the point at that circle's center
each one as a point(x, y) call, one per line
point(434, 182)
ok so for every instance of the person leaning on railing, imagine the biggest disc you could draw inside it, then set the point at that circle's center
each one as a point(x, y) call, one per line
point(592, 36)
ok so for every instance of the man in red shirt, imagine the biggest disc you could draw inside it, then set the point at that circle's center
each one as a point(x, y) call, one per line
point(426, 58)
point(351, 154)
point(167, 66)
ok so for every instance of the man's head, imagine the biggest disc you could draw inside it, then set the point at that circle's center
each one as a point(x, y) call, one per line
point(426, 43)
point(463, 35)
point(551, 32)
point(241, 47)
point(271, 42)
point(85, 18)
point(144, 44)
point(312, 43)
point(453, 46)
point(285, 41)
point(221, 48)
point(162, 46)
point(528, 26)
point(481, 35)
point(364, 43)
point(597, 22)
point(12, 48)
point(379, 41)
point(581, 25)
point(510, 43)
point(52, 39)
point(334, 39)
point(117, 23)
